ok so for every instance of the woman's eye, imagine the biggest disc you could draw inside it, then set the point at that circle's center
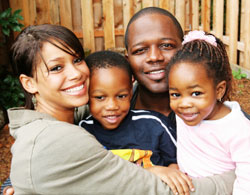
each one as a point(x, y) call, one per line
point(77, 60)
point(196, 93)
point(55, 68)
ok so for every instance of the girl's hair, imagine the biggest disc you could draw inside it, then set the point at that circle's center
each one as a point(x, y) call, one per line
point(26, 52)
point(213, 58)
point(153, 10)
point(108, 59)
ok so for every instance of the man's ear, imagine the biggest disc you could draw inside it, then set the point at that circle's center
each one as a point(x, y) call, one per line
point(220, 90)
point(28, 83)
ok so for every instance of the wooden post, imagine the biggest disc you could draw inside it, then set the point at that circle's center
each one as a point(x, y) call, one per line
point(180, 12)
point(127, 12)
point(246, 63)
point(29, 12)
point(147, 3)
point(195, 13)
point(218, 18)
point(88, 25)
point(109, 29)
point(76, 15)
point(54, 13)
point(205, 15)
point(233, 30)
point(42, 8)
point(65, 14)
point(165, 4)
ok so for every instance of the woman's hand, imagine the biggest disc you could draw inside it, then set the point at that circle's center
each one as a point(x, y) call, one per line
point(178, 182)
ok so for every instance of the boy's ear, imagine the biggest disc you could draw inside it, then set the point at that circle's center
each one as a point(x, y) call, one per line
point(220, 90)
point(126, 54)
point(28, 83)
point(133, 79)
point(131, 91)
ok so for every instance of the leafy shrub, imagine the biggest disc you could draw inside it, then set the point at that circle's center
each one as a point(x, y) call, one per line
point(9, 21)
point(238, 74)
point(11, 92)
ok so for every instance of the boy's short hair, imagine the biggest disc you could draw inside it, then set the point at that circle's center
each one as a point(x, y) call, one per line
point(108, 59)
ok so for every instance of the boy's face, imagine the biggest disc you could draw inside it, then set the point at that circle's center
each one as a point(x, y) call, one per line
point(153, 41)
point(110, 94)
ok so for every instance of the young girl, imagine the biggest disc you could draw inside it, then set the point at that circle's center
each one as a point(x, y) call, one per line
point(213, 134)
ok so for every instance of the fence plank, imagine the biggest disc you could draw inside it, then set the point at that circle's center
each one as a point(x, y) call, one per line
point(242, 32)
point(88, 25)
point(54, 12)
point(246, 63)
point(76, 15)
point(165, 4)
point(147, 3)
point(233, 34)
point(218, 18)
point(66, 13)
point(42, 9)
point(128, 12)
point(108, 15)
point(180, 12)
point(137, 5)
point(205, 15)
point(195, 13)
point(29, 12)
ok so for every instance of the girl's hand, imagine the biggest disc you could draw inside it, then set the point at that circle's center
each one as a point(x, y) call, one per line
point(178, 182)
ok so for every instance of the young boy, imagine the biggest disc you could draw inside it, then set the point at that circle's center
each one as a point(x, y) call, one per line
point(134, 135)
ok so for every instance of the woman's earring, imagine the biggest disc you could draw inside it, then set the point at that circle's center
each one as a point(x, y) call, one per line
point(34, 101)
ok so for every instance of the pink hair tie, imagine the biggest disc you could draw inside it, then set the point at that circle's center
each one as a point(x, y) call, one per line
point(198, 34)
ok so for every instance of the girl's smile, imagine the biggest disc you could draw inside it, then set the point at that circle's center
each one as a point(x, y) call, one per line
point(193, 97)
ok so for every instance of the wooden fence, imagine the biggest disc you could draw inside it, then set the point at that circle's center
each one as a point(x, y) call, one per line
point(101, 23)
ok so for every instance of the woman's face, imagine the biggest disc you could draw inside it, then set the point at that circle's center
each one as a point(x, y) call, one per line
point(63, 84)
point(152, 42)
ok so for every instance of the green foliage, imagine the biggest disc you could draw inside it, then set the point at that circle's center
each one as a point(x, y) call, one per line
point(9, 21)
point(11, 92)
point(238, 74)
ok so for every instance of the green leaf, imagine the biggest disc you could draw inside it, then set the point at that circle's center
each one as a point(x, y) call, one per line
point(16, 28)
point(17, 12)
point(6, 13)
point(6, 31)
point(238, 77)
point(244, 75)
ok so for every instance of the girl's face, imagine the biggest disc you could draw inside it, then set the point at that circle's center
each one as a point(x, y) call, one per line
point(64, 85)
point(110, 93)
point(153, 40)
point(193, 96)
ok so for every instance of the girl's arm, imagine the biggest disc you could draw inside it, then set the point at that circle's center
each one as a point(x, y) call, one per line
point(175, 179)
